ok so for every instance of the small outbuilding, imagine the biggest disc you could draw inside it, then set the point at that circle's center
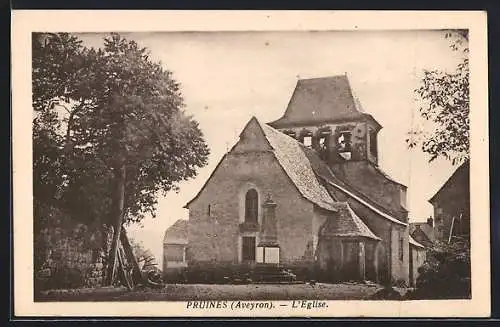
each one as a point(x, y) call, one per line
point(175, 245)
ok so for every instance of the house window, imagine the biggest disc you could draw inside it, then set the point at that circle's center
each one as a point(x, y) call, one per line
point(251, 206)
point(175, 253)
point(248, 248)
point(373, 143)
point(209, 210)
point(401, 249)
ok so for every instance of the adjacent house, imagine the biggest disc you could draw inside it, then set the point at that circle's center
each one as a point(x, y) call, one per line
point(452, 206)
point(417, 259)
point(305, 192)
point(423, 232)
point(175, 244)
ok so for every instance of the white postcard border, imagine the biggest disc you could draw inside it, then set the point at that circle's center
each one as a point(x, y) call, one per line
point(26, 21)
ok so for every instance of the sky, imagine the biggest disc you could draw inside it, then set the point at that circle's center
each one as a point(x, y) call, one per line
point(228, 77)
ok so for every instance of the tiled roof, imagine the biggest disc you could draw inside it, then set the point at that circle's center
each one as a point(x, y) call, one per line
point(296, 165)
point(345, 223)
point(321, 99)
point(177, 233)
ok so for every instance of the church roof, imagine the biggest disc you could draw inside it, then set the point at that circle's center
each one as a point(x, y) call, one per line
point(177, 233)
point(292, 159)
point(309, 174)
point(325, 99)
point(296, 165)
point(345, 223)
point(330, 180)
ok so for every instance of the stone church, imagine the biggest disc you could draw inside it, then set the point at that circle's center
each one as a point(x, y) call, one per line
point(306, 192)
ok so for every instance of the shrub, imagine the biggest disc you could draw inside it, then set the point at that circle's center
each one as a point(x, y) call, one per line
point(446, 273)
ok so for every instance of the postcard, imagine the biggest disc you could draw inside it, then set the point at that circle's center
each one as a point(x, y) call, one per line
point(250, 164)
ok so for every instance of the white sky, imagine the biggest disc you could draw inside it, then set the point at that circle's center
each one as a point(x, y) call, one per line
point(228, 77)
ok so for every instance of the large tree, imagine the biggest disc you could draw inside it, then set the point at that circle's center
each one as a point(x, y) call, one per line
point(444, 102)
point(110, 131)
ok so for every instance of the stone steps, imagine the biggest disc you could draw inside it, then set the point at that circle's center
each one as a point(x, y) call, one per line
point(271, 274)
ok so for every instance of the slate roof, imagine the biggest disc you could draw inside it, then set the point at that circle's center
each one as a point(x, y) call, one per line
point(321, 99)
point(291, 156)
point(177, 233)
point(345, 223)
point(412, 241)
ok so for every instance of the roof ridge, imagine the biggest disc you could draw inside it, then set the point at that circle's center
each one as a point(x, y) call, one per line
point(347, 224)
point(312, 190)
point(346, 185)
point(365, 203)
point(359, 222)
point(324, 77)
point(464, 165)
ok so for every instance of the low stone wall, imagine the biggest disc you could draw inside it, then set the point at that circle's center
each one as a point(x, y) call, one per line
point(70, 255)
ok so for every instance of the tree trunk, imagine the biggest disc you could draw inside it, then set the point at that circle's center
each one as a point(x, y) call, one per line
point(126, 278)
point(129, 253)
point(121, 177)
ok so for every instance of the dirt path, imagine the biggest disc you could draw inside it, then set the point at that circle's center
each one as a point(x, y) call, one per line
point(184, 292)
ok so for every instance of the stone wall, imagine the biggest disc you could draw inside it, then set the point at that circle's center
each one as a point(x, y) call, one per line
point(70, 255)
point(218, 237)
point(400, 263)
point(417, 257)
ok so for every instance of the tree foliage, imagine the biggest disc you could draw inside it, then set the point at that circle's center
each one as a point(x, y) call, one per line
point(446, 273)
point(445, 103)
point(144, 256)
point(97, 109)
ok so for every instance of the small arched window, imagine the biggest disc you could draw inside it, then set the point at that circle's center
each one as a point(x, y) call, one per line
point(251, 206)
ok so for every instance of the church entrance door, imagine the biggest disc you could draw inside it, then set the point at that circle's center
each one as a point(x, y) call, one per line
point(248, 248)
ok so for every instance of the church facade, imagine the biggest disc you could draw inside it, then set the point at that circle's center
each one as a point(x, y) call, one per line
point(305, 192)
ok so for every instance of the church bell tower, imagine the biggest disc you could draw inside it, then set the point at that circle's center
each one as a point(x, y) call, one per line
point(324, 115)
